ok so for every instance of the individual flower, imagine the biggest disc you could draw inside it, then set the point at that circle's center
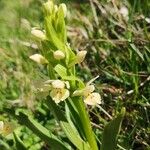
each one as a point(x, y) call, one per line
point(59, 55)
point(90, 97)
point(39, 59)
point(6, 128)
point(59, 90)
point(38, 34)
point(81, 56)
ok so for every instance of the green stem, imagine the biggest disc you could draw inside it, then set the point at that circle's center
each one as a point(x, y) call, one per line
point(85, 123)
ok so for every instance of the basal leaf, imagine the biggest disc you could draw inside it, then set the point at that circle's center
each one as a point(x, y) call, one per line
point(41, 131)
point(111, 131)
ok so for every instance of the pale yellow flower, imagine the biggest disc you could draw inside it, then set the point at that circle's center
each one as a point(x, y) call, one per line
point(59, 91)
point(90, 97)
point(93, 99)
point(6, 128)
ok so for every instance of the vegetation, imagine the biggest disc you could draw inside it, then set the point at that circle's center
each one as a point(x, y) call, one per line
point(116, 37)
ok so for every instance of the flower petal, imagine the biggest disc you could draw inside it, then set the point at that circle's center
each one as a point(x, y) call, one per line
point(58, 84)
point(92, 80)
point(88, 89)
point(65, 94)
point(93, 99)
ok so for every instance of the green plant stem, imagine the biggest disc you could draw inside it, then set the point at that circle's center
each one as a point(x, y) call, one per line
point(85, 123)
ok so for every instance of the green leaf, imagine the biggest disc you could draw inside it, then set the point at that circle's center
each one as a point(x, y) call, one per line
point(19, 144)
point(61, 70)
point(111, 131)
point(72, 134)
point(41, 131)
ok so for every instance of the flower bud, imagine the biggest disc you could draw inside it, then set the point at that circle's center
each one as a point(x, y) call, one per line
point(64, 9)
point(39, 59)
point(48, 7)
point(55, 8)
point(38, 34)
point(59, 55)
point(80, 56)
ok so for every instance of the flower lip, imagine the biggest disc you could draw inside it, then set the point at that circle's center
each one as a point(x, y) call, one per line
point(59, 94)
point(93, 99)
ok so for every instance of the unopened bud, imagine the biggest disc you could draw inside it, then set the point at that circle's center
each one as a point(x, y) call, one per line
point(39, 59)
point(48, 7)
point(80, 56)
point(64, 9)
point(38, 34)
point(59, 55)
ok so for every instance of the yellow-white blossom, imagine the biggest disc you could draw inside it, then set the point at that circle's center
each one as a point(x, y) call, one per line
point(59, 91)
point(6, 128)
point(93, 99)
point(81, 56)
point(59, 55)
point(38, 34)
point(90, 97)
point(39, 59)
